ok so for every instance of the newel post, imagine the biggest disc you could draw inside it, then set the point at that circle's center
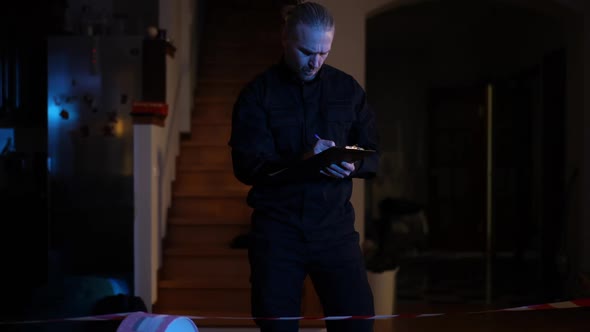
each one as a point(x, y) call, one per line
point(149, 115)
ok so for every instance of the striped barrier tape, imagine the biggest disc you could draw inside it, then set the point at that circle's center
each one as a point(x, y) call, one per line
point(120, 316)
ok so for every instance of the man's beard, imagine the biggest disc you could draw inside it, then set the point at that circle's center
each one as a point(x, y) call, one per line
point(305, 72)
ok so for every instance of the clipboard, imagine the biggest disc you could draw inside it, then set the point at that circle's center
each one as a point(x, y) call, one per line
point(335, 155)
point(310, 167)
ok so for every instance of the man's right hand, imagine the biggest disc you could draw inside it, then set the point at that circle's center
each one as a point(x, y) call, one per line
point(321, 145)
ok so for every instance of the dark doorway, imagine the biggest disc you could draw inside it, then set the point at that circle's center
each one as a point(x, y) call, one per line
point(457, 168)
point(496, 223)
point(523, 241)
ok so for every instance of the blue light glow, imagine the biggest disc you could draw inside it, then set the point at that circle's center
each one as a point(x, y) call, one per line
point(119, 286)
point(6, 139)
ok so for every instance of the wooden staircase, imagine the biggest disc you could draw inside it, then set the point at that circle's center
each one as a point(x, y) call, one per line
point(201, 275)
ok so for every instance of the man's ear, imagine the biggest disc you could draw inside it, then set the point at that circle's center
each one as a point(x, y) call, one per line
point(285, 9)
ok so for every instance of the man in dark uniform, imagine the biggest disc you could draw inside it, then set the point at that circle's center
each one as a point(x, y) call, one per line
point(296, 109)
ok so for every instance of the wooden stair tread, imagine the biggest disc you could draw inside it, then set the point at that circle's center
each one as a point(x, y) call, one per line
point(202, 121)
point(214, 99)
point(198, 221)
point(193, 144)
point(235, 7)
point(211, 120)
point(203, 168)
point(219, 282)
point(234, 43)
point(253, 64)
point(228, 81)
point(221, 125)
point(204, 194)
point(192, 167)
point(187, 143)
point(209, 172)
point(204, 171)
point(206, 252)
point(255, 67)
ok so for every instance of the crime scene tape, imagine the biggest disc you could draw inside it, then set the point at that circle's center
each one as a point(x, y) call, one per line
point(120, 316)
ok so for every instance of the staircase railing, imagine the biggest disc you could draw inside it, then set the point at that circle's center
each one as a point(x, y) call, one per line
point(156, 148)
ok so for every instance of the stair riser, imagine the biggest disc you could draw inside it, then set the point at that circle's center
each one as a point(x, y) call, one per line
point(214, 156)
point(204, 107)
point(212, 135)
point(186, 181)
point(238, 72)
point(187, 267)
point(199, 235)
point(265, 36)
point(243, 20)
point(242, 5)
point(227, 57)
point(236, 301)
point(226, 35)
point(211, 208)
point(229, 90)
point(259, 18)
point(212, 113)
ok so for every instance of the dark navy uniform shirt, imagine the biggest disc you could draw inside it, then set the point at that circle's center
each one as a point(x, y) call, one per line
point(275, 120)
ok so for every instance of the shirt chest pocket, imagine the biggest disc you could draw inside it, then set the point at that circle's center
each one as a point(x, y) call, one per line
point(285, 126)
point(339, 119)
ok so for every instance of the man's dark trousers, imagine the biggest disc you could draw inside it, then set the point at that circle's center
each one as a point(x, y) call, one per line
point(279, 264)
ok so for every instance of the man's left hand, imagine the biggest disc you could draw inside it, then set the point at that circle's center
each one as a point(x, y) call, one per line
point(338, 171)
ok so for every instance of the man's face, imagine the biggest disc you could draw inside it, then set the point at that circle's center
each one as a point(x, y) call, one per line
point(306, 48)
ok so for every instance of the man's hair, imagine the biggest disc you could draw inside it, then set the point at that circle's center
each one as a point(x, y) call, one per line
point(311, 14)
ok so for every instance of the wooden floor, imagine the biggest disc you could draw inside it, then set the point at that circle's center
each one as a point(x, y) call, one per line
point(560, 320)
point(557, 320)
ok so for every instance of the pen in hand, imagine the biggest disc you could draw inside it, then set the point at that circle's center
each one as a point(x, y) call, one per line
point(322, 144)
point(339, 170)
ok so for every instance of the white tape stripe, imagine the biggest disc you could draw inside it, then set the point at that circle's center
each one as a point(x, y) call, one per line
point(291, 318)
point(428, 315)
point(227, 318)
point(336, 317)
point(517, 309)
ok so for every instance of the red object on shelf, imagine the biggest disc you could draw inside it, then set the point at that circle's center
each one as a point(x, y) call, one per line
point(149, 108)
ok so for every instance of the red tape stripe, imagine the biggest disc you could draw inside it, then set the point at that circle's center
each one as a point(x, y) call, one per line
point(582, 302)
